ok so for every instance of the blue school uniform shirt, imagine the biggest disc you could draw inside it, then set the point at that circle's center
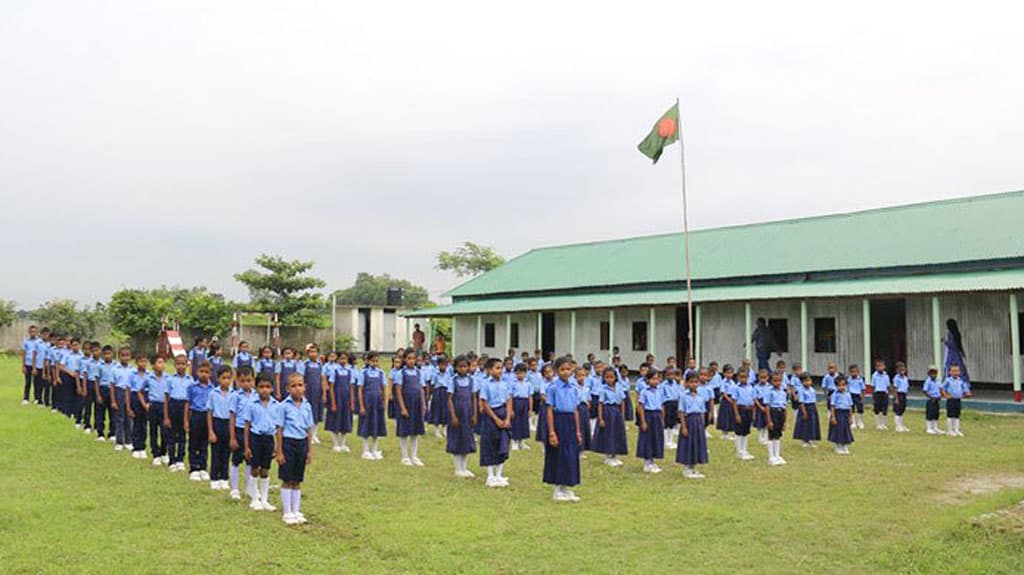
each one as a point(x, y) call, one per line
point(199, 396)
point(42, 349)
point(536, 381)
point(262, 419)
point(640, 385)
point(622, 386)
point(122, 375)
point(880, 382)
point(84, 367)
point(156, 388)
point(563, 396)
point(692, 403)
point(196, 355)
point(53, 354)
point(610, 395)
point(777, 398)
point(761, 392)
point(855, 385)
point(442, 379)
point(72, 361)
point(416, 374)
point(594, 384)
point(215, 362)
point(583, 391)
point(841, 400)
point(751, 376)
point(219, 402)
point(94, 370)
point(931, 388)
point(521, 389)
point(295, 420)
point(728, 387)
point(494, 392)
point(265, 365)
point(106, 370)
point(289, 364)
point(743, 394)
point(138, 380)
point(806, 394)
point(828, 382)
point(30, 346)
point(459, 381)
point(240, 401)
point(901, 383)
point(177, 386)
point(651, 398)
point(704, 392)
point(242, 358)
point(715, 382)
point(955, 387)
point(670, 390)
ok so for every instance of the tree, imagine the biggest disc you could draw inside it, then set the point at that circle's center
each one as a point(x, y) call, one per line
point(282, 287)
point(7, 312)
point(139, 313)
point(372, 290)
point(469, 259)
point(63, 316)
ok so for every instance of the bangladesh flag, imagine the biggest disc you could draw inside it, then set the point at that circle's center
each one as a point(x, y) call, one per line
point(665, 132)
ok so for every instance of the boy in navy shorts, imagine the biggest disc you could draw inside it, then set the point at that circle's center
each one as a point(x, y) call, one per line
point(295, 427)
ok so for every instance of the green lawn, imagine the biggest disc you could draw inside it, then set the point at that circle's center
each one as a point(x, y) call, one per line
point(70, 504)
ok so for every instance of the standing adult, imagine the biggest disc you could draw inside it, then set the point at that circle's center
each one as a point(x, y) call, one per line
point(764, 344)
point(955, 350)
point(439, 345)
point(419, 339)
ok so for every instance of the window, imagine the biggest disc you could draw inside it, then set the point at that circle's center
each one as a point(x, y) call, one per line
point(488, 335)
point(639, 336)
point(605, 335)
point(824, 335)
point(780, 331)
point(513, 335)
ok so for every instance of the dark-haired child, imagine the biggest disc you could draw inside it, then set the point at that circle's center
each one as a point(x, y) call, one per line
point(340, 403)
point(259, 418)
point(178, 385)
point(496, 413)
point(461, 418)
point(547, 374)
point(954, 389)
point(105, 416)
point(933, 400)
point(155, 391)
point(807, 427)
point(522, 400)
point(241, 399)
point(693, 443)
point(650, 443)
point(623, 385)
point(215, 357)
point(314, 383)
point(582, 379)
point(881, 383)
point(218, 423)
point(901, 385)
point(265, 365)
point(564, 431)
point(775, 415)
point(137, 383)
point(856, 386)
point(287, 366)
point(121, 400)
point(742, 399)
point(610, 435)
point(438, 390)
point(671, 391)
point(761, 389)
point(196, 406)
point(409, 392)
point(242, 359)
point(725, 422)
point(840, 431)
point(197, 355)
point(295, 430)
point(371, 384)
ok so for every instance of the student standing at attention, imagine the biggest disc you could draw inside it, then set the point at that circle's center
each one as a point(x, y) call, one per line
point(196, 406)
point(880, 382)
point(121, 399)
point(29, 357)
point(372, 408)
point(855, 385)
point(775, 413)
point(954, 390)
point(409, 393)
point(241, 399)
point(742, 397)
point(561, 449)
point(314, 382)
point(933, 401)
point(496, 412)
point(840, 432)
point(650, 443)
point(461, 418)
point(260, 420)
point(295, 431)
point(807, 427)
point(174, 410)
point(218, 422)
point(339, 405)
point(138, 382)
point(610, 438)
point(155, 393)
point(105, 415)
point(522, 400)
point(693, 442)
point(899, 403)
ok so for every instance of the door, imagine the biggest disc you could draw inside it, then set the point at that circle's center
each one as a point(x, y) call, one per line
point(363, 328)
point(682, 337)
point(888, 333)
point(547, 333)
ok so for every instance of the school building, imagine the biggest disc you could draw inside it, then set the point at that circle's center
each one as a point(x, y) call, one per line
point(841, 288)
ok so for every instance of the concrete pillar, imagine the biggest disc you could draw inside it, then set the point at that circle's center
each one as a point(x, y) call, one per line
point(611, 334)
point(454, 350)
point(652, 329)
point(508, 331)
point(936, 334)
point(803, 334)
point(479, 333)
point(1015, 345)
point(696, 333)
point(572, 333)
point(540, 334)
point(377, 330)
point(865, 367)
point(746, 332)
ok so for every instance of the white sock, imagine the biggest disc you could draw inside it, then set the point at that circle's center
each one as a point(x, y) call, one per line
point(234, 477)
point(341, 439)
point(297, 500)
point(501, 470)
point(334, 439)
point(457, 461)
point(403, 443)
point(264, 487)
point(490, 471)
point(778, 448)
point(286, 500)
point(366, 445)
point(376, 444)
point(415, 446)
point(739, 444)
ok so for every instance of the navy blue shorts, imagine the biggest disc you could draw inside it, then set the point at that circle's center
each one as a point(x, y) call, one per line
point(294, 468)
point(262, 447)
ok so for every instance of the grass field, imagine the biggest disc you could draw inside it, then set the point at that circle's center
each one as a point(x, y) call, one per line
point(899, 504)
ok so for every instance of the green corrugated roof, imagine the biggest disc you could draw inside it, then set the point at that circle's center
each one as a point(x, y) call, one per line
point(957, 230)
point(907, 285)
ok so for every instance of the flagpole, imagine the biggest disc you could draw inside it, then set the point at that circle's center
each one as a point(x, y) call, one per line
point(686, 237)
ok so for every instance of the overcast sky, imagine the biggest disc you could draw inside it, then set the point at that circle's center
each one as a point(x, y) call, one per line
point(146, 143)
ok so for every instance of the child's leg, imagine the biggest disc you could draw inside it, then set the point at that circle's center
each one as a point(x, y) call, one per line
point(403, 443)
point(297, 498)
point(286, 498)
point(415, 446)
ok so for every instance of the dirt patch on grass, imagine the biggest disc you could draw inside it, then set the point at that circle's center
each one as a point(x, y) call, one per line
point(1010, 520)
point(960, 490)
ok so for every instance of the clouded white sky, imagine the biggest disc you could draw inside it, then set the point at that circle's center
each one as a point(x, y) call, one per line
point(149, 143)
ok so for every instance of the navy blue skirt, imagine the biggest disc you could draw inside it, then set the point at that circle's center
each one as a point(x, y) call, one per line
point(611, 439)
point(373, 424)
point(521, 418)
point(314, 393)
point(494, 442)
point(760, 422)
point(807, 428)
point(340, 420)
point(671, 414)
point(778, 415)
point(840, 433)
point(562, 463)
point(542, 423)
point(693, 449)
point(412, 425)
point(726, 417)
point(393, 404)
point(438, 413)
point(584, 425)
point(461, 439)
point(536, 402)
point(650, 444)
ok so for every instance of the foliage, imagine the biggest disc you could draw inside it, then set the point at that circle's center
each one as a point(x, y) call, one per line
point(63, 316)
point(7, 312)
point(442, 327)
point(469, 259)
point(139, 313)
point(345, 342)
point(372, 290)
point(282, 286)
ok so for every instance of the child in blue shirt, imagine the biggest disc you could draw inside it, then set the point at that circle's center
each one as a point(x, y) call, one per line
point(610, 436)
point(437, 389)
point(761, 389)
point(295, 429)
point(671, 391)
point(547, 376)
point(880, 383)
point(121, 400)
point(287, 366)
point(522, 405)
point(265, 365)
point(954, 390)
point(372, 407)
point(582, 384)
point(239, 403)
point(807, 427)
point(197, 403)
point(564, 431)
point(461, 418)
point(496, 407)
point(153, 395)
point(339, 402)
point(174, 411)
point(259, 419)
point(693, 443)
point(138, 383)
point(726, 408)
point(218, 422)
point(410, 393)
point(856, 386)
point(775, 414)
point(901, 385)
point(105, 415)
point(933, 399)
point(242, 359)
point(840, 431)
point(650, 443)
point(741, 398)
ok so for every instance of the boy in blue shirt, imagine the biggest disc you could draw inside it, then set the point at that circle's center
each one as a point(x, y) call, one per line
point(218, 422)
point(295, 428)
point(855, 385)
point(954, 390)
point(121, 398)
point(30, 349)
point(241, 399)
point(775, 412)
point(259, 417)
point(933, 398)
point(153, 396)
point(174, 412)
point(880, 382)
point(137, 384)
point(197, 403)
point(105, 396)
point(899, 403)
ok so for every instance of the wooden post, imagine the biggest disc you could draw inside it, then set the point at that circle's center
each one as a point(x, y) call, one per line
point(698, 309)
point(572, 333)
point(540, 323)
point(508, 332)
point(651, 330)
point(611, 334)
point(746, 331)
point(1015, 345)
point(866, 312)
point(936, 334)
point(803, 334)
point(479, 333)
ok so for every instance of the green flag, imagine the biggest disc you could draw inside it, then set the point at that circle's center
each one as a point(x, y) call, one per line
point(665, 132)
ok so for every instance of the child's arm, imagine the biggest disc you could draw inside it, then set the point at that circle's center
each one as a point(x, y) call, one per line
point(576, 419)
point(397, 391)
point(832, 415)
point(128, 402)
point(323, 389)
point(549, 415)
point(186, 415)
point(277, 385)
point(454, 419)
point(711, 411)
point(488, 412)
point(142, 400)
point(529, 403)
point(600, 414)
point(362, 403)
point(278, 442)
point(643, 417)
point(333, 406)
point(476, 406)
point(509, 412)
point(167, 410)
point(248, 450)
point(209, 426)
point(96, 390)
point(309, 443)
point(232, 440)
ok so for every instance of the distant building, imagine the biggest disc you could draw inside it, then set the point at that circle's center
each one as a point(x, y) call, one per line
point(372, 327)
point(845, 288)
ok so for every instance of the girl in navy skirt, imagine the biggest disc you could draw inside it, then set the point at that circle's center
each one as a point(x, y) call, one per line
point(536, 389)
point(726, 406)
point(522, 399)
point(610, 435)
point(409, 392)
point(623, 386)
point(650, 443)
point(840, 432)
point(761, 389)
point(372, 422)
point(314, 384)
point(693, 443)
point(565, 432)
point(340, 406)
point(461, 418)
point(439, 384)
point(397, 363)
point(584, 408)
point(287, 366)
point(807, 427)
point(547, 375)
point(496, 413)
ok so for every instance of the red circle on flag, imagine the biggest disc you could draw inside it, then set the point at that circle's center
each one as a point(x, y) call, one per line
point(666, 127)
